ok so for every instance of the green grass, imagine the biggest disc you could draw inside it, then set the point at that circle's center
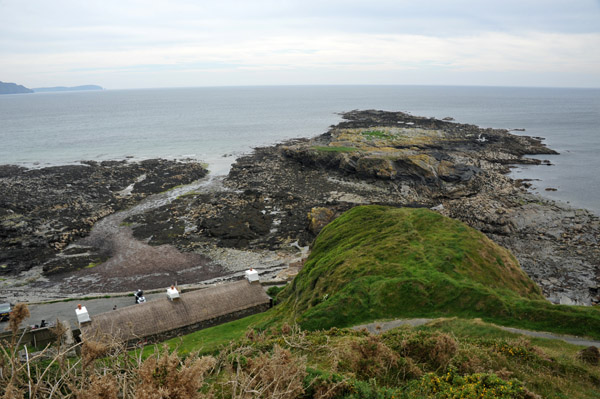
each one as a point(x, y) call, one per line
point(379, 134)
point(445, 356)
point(188, 194)
point(211, 339)
point(376, 262)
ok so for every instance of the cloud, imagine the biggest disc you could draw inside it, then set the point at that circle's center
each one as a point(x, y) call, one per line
point(488, 52)
point(51, 43)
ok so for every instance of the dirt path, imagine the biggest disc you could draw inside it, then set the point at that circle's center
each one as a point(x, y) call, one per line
point(379, 327)
point(133, 263)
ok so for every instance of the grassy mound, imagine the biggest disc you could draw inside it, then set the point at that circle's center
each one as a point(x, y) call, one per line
point(376, 262)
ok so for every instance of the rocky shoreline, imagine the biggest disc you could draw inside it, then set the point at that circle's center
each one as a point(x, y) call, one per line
point(43, 210)
point(275, 201)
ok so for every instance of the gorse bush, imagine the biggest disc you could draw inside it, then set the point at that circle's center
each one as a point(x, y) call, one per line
point(371, 263)
point(287, 362)
point(474, 386)
point(165, 375)
point(371, 359)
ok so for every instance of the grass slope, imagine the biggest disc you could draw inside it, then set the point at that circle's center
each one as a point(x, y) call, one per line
point(446, 358)
point(376, 262)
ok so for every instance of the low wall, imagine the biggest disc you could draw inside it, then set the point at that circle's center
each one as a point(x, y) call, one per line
point(200, 326)
point(37, 337)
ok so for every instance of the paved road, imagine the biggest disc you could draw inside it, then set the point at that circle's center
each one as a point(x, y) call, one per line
point(379, 327)
point(66, 310)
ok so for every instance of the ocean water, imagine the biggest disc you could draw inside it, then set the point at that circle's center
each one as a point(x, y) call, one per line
point(216, 125)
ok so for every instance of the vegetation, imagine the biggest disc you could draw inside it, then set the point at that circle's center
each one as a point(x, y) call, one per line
point(448, 358)
point(376, 262)
point(380, 134)
point(211, 340)
point(371, 263)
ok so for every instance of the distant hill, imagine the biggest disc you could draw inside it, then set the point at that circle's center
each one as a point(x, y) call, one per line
point(13, 88)
point(63, 88)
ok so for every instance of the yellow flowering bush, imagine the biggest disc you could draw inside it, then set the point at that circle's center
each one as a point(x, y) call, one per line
point(472, 386)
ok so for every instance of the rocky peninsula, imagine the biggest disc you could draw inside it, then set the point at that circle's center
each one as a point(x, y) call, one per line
point(274, 202)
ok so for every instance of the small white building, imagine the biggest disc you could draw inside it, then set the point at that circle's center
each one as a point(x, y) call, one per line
point(252, 275)
point(172, 293)
point(82, 315)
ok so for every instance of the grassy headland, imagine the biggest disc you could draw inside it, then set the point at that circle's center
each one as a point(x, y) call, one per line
point(376, 262)
point(371, 263)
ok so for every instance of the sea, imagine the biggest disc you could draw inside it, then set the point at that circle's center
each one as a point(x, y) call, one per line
point(218, 124)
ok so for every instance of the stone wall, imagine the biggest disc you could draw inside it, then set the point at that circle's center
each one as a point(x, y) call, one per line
point(215, 321)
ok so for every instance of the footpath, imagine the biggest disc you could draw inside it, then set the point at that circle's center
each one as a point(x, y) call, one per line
point(379, 327)
point(66, 311)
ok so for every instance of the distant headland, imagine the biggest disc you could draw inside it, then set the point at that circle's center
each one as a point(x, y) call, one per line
point(13, 88)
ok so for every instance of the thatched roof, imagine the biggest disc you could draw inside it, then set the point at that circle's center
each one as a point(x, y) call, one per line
point(162, 315)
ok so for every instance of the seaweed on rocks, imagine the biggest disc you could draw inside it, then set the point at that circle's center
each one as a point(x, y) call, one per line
point(279, 197)
point(393, 158)
point(43, 210)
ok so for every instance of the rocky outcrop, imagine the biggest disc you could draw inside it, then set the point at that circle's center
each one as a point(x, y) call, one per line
point(284, 194)
point(43, 210)
point(277, 199)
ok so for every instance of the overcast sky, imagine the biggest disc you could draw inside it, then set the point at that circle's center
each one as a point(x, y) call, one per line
point(179, 43)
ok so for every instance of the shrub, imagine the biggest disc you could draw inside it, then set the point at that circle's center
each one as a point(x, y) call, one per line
point(473, 386)
point(434, 349)
point(277, 374)
point(370, 358)
point(166, 375)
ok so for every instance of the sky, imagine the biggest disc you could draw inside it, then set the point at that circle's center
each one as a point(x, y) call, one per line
point(122, 44)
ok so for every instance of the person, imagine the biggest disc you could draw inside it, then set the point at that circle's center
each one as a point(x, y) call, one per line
point(139, 296)
point(115, 307)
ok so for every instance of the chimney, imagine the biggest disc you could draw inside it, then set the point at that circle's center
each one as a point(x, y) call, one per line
point(82, 315)
point(252, 275)
point(172, 293)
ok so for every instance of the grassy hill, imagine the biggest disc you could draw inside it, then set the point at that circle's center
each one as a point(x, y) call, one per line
point(371, 263)
point(376, 262)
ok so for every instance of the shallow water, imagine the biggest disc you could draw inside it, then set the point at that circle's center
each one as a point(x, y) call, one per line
point(218, 124)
